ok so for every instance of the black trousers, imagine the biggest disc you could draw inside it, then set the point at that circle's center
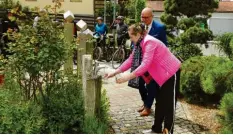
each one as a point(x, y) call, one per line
point(147, 92)
point(165, 107)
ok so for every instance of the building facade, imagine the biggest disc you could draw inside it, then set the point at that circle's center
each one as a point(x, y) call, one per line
point(83, 7)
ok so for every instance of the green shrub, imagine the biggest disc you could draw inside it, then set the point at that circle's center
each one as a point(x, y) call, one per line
point(36, 96)
point(93, 125)
point(18, 116)
point(22, 117)
point(226, 44)
point(206, 79)
point(64, 108)
point(187, 51)
point(190, 86)
point(139, 6)
point(99, 124)
point(195, 35)
point(104, 107)
point(62, 111)
point(226, 109)
point(214, 76)
point(186, 23)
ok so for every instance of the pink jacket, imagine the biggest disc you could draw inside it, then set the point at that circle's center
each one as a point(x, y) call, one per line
point(157, 60)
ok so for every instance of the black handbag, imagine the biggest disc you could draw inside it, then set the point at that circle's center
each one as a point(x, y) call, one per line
point(134, 83)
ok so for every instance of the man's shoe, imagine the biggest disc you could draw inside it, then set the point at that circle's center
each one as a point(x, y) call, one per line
point(141, 108)
point(145, 112)
point(165, 131)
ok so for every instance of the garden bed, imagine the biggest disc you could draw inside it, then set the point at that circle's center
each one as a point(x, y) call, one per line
point(206, 117)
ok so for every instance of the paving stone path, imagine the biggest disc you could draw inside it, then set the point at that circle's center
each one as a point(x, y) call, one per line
point(124, 102)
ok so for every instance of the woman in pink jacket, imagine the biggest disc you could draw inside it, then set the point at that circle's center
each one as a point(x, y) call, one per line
point(152, 60)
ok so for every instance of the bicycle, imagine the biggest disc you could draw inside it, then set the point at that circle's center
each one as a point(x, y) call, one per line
point(103, 50)
point(97, 52)
point(109, 48)
point(120, 54)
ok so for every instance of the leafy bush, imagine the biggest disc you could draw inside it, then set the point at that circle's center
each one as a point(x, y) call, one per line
point(8, 4)
point(17, 115)
point(99, 124)
point(206, 79)
point(64, 107)
point(214, 76)
point(226, 109)
point(62, 111)
point(93, 125)
point(187, 51)
point(191, 81)
point(130, 9)
point(169, 20)
point(226, 44)
point(186, 23)
point(22, 117)
point(139, 6)
point(37, 97)
point(195, 35)
point(187, 15)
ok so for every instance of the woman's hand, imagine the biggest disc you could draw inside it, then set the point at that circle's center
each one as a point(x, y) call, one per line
point(121, 80)
point(125, 78)
point(109, 75)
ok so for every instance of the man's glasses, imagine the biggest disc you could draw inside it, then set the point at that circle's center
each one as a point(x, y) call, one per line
point(145, 17)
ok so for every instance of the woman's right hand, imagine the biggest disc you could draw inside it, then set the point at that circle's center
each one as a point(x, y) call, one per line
point(109, 75)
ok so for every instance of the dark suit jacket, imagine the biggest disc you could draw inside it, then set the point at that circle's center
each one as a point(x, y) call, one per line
point(158, 31)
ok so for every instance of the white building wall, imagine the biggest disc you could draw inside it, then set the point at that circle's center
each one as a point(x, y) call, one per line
point(219, 23)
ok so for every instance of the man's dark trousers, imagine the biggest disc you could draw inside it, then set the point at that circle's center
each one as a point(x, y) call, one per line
point(147, 93)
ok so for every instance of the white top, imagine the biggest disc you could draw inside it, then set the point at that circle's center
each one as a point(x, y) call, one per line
point(149, 26)
point(36, 19)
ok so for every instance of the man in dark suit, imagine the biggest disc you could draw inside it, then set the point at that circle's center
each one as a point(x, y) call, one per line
point(148, 91)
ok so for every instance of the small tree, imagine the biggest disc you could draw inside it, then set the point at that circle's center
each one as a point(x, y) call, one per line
point(8, 4)
point(189, 17)
point(109, 11)
point(140, 5)
point(39, 52)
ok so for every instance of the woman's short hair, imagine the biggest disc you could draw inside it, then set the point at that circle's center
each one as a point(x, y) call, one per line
point(99, 18)
point(137, 28)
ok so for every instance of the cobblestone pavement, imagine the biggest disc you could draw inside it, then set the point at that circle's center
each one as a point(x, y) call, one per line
point(124, 102)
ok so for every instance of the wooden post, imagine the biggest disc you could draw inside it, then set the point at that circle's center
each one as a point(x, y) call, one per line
point(84, 47)
point(68, 30)
point(91, 87)
point(81, 51)
point(89, 47)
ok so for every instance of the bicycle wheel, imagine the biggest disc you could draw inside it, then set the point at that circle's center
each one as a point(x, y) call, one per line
point(97, 53)
point(109, 53)
point(118, 58)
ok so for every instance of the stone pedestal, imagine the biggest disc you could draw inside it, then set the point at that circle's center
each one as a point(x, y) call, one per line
point(91, 87)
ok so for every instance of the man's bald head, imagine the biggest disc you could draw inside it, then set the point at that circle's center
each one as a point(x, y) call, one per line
point(147, 15)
